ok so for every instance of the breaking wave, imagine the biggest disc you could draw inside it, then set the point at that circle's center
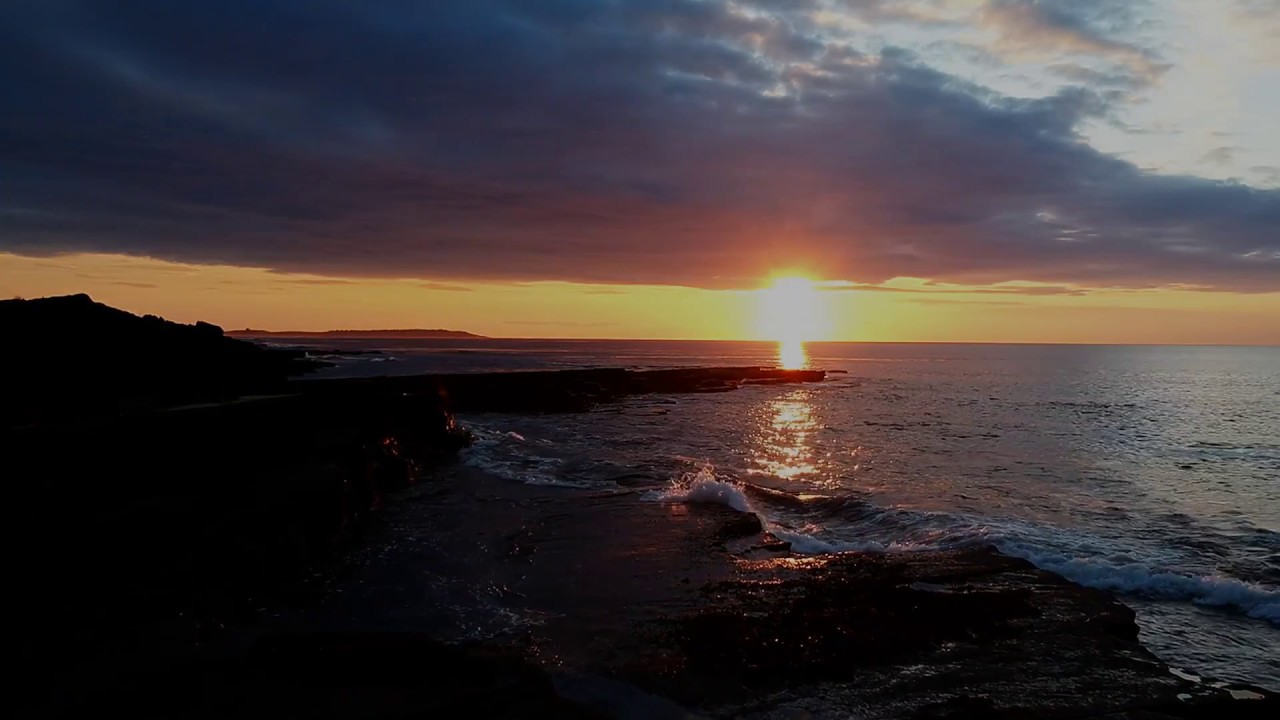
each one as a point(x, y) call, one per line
point(816, 524)
point(500, 454)
point(819, 524)
point(1141, 580)
point(705, 486)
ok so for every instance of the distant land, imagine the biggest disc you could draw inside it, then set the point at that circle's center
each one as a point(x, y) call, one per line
point(399, 334)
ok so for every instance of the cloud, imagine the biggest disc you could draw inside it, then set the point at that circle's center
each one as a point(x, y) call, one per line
point(447, 287)
point(1034, 290)
point(558, 323)
point(1220, 156)
point(320, 281)
point(1121, 80)
point(1269, 173)
point(961, 303)
point(937, 289)
point(1258, 22)
point(866, 287)
point(917, 12)
point(702, 143)
point(1050, 28)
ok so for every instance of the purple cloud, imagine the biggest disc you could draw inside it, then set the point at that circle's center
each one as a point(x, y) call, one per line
point(639, 141)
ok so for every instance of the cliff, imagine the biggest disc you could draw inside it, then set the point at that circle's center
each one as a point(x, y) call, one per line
point(71, 357)
point(148, 536)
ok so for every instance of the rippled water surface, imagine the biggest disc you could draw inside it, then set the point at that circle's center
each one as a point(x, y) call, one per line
point(1151, 471)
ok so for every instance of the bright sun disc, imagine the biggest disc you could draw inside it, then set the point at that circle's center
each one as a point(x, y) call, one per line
point(792, 312)
point(791, 309)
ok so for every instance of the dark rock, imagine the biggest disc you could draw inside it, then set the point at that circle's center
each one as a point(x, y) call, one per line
point(348, 675)
point(955, 708)
point(179, 523)
point(771, 543)
point(648, 596)
point(959, 634)
point(739, 525)
point(555, 391)
point(70, 357)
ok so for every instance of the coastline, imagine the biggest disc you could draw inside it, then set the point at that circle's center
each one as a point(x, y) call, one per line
point(604, 605)
point(691, 606)
point(575, 602)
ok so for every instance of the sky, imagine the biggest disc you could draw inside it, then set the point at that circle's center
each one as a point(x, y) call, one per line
point(959, 170)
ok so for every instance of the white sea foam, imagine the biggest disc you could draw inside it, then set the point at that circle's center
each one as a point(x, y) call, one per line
point(1136, 578)
point(494, 452)
point(811, 544)
point(1116, 573)
point(889, 530)
point(704, 486)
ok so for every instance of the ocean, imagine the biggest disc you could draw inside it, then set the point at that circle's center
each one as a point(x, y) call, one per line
point(1153, 472)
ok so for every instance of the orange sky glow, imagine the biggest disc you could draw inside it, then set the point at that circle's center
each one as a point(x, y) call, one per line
point(901, 310)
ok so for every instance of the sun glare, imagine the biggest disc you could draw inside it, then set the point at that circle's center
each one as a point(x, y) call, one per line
point(792, 312)
point(792, 355)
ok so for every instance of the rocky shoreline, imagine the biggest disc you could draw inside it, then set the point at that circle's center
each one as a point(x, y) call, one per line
point(556, 391)
point(540, 601)
point(214, 551)
point(648, 609)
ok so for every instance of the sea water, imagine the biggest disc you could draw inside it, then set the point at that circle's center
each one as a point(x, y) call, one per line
point(1152, 472)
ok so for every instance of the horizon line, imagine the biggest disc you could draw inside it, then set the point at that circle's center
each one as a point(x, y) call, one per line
point(476, 337)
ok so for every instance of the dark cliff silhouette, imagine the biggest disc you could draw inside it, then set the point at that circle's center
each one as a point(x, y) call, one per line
point(184, 513)
point(70, 357)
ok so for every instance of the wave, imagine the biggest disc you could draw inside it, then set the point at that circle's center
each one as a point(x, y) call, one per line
point(813, 544)
point(822, 524)
point(1135, 578)
point(705, 486)
point(884, 530)
point(496, 453)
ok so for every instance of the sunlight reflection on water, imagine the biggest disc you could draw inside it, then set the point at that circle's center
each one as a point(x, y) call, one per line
point(792, 355)
point(783, 444)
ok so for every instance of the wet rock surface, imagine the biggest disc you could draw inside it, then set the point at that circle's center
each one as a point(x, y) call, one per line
point(480, 597)
point(643, 604)
point(374, 675)
point(969, 633)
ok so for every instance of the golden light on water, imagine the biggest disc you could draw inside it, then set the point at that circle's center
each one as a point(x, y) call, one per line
point(782, 446)
point(793, 312)
point(792, 355)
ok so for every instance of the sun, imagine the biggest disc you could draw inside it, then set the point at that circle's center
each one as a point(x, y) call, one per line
point(792, 311)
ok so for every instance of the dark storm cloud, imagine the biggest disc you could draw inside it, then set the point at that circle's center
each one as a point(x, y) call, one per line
point(633, 141)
